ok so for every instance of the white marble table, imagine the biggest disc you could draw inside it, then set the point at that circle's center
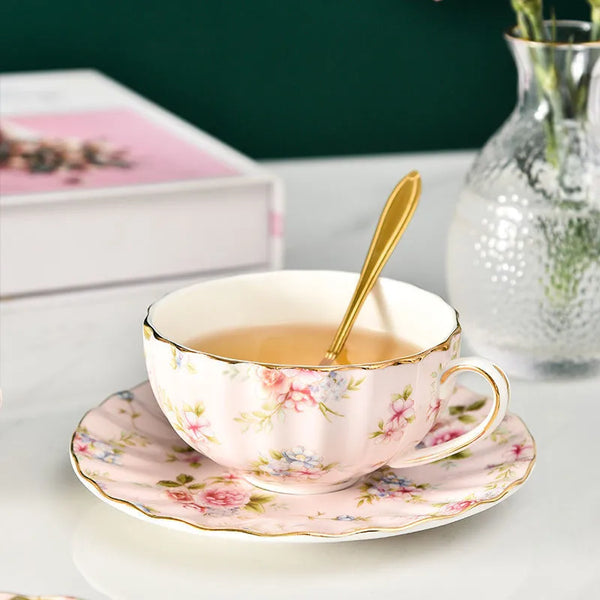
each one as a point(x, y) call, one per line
point(55, 537)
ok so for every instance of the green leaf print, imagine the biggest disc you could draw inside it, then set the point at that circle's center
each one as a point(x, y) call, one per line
point(168, 483)
point(326, 411)
point(460, 409)
point(379, 431)
point(405, 395)
point(476, 405)
point(459, 455)
point(257, 502)
point(197, 409)
point(196, 486)
point(354, 384)
point(467, 419)
point(183, 478)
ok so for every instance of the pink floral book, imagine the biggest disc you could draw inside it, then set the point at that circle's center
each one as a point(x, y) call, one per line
point(96, 149)
point(83, 158)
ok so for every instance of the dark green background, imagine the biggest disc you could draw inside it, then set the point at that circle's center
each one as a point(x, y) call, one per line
point(278, 78)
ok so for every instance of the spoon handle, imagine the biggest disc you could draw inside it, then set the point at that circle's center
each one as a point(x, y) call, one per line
point(395, 216)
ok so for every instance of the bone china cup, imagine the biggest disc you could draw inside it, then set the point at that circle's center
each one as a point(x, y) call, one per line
point(309, 429)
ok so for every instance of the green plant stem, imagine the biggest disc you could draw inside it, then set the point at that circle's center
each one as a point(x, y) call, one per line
point(523, 25)
point(595, 34)
point(536, 18)
point(530, 17)
point(582, 93)
point(572, 245)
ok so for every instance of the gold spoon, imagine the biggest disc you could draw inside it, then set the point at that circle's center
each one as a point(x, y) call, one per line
point(395, 216)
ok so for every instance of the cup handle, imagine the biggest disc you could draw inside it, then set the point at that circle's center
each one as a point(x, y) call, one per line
point(499, 382)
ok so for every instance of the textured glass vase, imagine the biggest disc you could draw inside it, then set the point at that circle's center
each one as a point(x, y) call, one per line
point(524, 245)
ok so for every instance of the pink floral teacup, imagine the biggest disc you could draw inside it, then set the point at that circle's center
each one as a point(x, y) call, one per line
point(309, 429)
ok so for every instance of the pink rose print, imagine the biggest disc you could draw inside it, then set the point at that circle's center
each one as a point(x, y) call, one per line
point(294, 391)
point(274, 380)
point(298, 398)
point(182, 496)
point(221, 497)
point(197, 427)
point(446, 436)
point(459, 506)
point(304, 378)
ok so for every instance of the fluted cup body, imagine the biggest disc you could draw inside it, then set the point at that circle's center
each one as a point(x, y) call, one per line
point(299, 428)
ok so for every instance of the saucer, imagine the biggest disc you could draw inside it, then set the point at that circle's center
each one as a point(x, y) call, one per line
point(126, 453)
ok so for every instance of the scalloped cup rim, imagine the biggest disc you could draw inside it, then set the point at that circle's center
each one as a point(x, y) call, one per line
point(411, 358)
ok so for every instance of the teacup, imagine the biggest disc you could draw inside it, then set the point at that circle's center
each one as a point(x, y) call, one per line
point(310, 429)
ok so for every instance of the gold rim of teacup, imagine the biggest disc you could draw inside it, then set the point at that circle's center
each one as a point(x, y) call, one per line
point(149, 329)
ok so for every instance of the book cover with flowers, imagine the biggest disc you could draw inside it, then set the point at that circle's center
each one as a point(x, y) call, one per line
point(99, 186)
point(94, 149)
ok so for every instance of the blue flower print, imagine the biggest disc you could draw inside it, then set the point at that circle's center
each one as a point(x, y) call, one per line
point(299, 457)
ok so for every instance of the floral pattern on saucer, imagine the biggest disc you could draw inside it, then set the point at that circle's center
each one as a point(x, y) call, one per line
point(128, 454)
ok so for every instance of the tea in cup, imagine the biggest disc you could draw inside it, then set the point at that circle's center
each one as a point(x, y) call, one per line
point(234, 365)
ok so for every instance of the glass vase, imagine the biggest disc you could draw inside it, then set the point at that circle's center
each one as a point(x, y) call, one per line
point(524, 244)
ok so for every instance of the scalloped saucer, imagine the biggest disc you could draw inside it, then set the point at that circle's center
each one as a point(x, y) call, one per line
point(128, 455)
